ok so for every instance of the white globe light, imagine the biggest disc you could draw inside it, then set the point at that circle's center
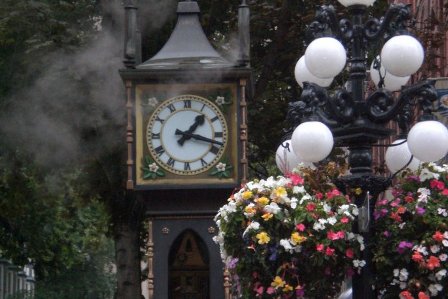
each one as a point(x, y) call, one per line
point(312, 141)
point(286, 159)
point(428, 140)
point(356, 2)
point(398, 156)
point(302, 74)
point(402, 55)
point(391, 82)
point(325, 57)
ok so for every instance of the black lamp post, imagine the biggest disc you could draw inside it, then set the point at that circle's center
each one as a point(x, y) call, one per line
point(357, 120)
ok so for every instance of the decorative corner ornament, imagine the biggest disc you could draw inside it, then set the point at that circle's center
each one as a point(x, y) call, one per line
point(151, 170)
point(222, 170)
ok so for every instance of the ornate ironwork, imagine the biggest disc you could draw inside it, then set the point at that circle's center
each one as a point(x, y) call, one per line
point(356, 120)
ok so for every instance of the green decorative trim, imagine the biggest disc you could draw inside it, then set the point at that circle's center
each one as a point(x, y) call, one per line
point(222, 170)
point(151, 171)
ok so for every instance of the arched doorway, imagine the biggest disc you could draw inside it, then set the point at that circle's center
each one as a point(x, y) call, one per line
point(189, 267)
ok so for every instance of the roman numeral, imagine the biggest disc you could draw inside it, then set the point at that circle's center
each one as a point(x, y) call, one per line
point(159, 119)
point(159, 150)
point(218, 135)
point(203, 106)
point(155, 135)
point(187, 166)
point(187, 103)
point(172, 108)
point(214, 118)
point(214, 149)
point(203, 163)
point(170, 162)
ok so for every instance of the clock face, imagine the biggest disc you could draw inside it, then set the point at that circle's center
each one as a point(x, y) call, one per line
point(187, 134)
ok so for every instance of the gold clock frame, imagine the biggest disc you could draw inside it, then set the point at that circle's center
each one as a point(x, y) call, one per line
point(233, 118)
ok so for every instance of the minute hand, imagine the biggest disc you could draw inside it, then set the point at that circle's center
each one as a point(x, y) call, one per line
point(198, 137)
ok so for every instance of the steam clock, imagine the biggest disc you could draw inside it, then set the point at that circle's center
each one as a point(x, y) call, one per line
point(186, 136)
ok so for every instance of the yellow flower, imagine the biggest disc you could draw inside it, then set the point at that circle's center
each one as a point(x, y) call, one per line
point(267, 216)
point(263, 238)
point(263, 201)
point(287, 288)
point(278, 282)
point(250, 210)
point(279, 192)
point(358, 191)
point(296, 238)
point(247, 194)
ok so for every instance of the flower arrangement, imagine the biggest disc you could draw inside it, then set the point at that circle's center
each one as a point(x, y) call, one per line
point(411, 238)
point(290, 237)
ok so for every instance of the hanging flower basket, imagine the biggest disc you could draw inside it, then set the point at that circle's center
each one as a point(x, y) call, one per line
point(289, 237)
point(411, 237)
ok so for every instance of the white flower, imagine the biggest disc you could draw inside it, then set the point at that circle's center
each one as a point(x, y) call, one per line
point(318, 226)
point(442, 212)
point(298, 189)
point(342, 209)
point(153, 167)
point(403, 274)
point(272, 208)
point(221, 167)
point(305, 198)
point(426, 174)
point(424, 193)
point(435, 289)
point(252, 226)
point(350, 236)
point(327, 208)
point(152, 102)
point(445, 242)
point(359, 263)
point(401, 225)
point(441, 274)
point(445, 235)
point(220, 100)
point(443, 257)
point(355, 211)
point(250, 207)
point(332, 220)
point(294, 202)
point(435, 248)
point(422, 249)
point(360, 240)
point(288, 246)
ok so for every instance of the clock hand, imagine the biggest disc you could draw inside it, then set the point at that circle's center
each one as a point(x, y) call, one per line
point(198, 121)
point(198, 137)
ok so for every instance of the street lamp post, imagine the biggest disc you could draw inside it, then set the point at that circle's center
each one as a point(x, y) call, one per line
point(350, 118)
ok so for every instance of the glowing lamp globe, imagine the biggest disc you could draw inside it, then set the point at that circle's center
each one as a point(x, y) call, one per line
point(402, 55)
point(428, 141)
point(347, 3)
point(399, 156)
point(312, 141)
point(302, 74)
point(287, 160)
point(325, 57)
point(391, 82)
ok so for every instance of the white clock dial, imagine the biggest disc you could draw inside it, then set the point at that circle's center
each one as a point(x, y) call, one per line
point(187, 134)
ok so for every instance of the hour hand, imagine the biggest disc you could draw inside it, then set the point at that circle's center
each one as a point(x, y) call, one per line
point(197, 137)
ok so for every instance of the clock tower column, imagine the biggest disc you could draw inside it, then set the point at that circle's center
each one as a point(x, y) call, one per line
point(187, 134)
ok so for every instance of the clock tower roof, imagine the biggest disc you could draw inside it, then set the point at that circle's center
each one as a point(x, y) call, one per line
point(188, 46)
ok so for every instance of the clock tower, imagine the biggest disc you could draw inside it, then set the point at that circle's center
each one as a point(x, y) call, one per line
point(186, 136)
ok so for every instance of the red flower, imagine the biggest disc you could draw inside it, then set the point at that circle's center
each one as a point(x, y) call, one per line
point(395, 217)
point(329, 251)
point(436, 184)
point(300, 227)
point(345, 220)
point(320, 247)
point(401, 210)
point(349, 253)
point(406, 295)
point(445, 192)
point(333, 193)
point(417, 257)
point(310, 207)
point(296, 179)
point(438, 236)
point(409, 199)
point(433, 262)
point(319, 195)
point(422, 295)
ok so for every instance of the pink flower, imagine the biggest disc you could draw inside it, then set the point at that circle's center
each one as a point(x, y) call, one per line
point(438, 236)
point(329, 251)
point(406, 295)
point(319, 195)
point(436, 184)
point(345, 220)
point(296, 179)
point(349, 253)
point(310, 207)
point(333, 193)
point(433, 262)
point(320, 247)
point(300, 227)
point(422, 295)
point(335, 236)
point(445, 192)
